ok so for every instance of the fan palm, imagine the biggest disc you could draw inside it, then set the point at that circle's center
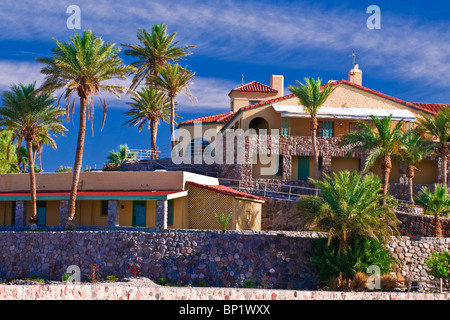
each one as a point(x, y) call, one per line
point(156, 49)
point(438, 126)
point(149, 106)
point(312, 96)
point(173, 80)
point(381, 143)
point(437, 203)
point(83, 67)
point(117, 157)
point(412, 151)
point(34, 118)
point(348, 207)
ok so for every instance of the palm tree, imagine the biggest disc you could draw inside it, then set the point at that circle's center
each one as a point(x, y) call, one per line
point(33, 117)
point(117, 157)
point(381, 143)
point(436, 203)
point(438, 126)
point(412, 151)
point(173, 80)
point(156, 49)
point(312, 96)
point(348, 207)
point(149, 105)
point(83, 67)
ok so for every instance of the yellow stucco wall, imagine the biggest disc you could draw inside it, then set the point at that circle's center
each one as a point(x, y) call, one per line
point(342, 163)
point(426, 172)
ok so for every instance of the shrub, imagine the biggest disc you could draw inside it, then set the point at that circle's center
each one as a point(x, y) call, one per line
point(223, 220)
point(162, 281)
point(362, 253)
point(248, 283)
point(111, 278)
point(438, 264)
point(64, 169)
point(359, 282)
point(387, 283)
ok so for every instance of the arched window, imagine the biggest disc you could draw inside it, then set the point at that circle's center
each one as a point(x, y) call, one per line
point(259, 124)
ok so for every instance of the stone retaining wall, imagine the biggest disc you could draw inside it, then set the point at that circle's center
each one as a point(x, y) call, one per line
point(182, 257)
point(276, 260)
point(88, 292)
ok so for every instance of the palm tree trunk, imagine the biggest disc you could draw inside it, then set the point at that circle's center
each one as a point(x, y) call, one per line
point(77, 166)
point(343, 245)
point(313, 127)
point(154, 131)
point(33, 218)
point(437, 227)
point(410, 176)
point(172, 120)
point(386, 166)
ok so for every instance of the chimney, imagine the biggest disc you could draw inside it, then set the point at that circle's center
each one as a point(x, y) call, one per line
point(355, 75)
point(277, 83)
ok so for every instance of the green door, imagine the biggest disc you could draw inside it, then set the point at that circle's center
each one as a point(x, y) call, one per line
point(303, 168)
point(139, 213)
point(41, 212)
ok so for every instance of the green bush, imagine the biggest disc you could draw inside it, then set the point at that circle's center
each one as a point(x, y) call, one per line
point(438, 264)
point(362, 253)
point(223, 220)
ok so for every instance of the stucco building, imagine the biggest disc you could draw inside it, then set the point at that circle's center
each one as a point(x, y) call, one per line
point(151, 199)
point(261, 107)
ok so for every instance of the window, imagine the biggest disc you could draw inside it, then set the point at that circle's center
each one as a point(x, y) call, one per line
point(13, 213)
point(253, 102)
point(326, 129)
point(170, 213)
point(104, 208)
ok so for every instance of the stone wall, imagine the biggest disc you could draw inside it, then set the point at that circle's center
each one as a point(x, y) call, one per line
point(96, 292)
point(183, 257)
point(411, 253)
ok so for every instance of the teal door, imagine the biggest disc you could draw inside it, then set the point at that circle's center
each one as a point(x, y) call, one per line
point(303, 168)
point(139, 213)
point(41, 212)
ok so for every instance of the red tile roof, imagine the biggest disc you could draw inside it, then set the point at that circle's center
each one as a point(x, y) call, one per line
point(431, 108)
point(216, 118)
point(254, 86)
point(226, 191)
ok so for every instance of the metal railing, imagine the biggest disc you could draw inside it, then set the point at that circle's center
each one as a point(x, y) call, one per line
point(269, 189)
point(164, 151)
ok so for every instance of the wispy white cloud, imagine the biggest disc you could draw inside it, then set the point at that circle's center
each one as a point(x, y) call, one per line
point(258, 32)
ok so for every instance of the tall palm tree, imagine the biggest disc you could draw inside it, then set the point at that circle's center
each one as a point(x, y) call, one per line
point(83, 67)
point(312, 96)
point(173, 80)
point(412, 151)
point(437, 203)
point(149, 106)
point(348, 207)
point(381, 143)
point(438, 126)
point(155, 49)
point(116, 157)
point(35, 118)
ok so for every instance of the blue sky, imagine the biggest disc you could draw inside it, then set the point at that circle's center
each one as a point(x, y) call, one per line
point(408, 58)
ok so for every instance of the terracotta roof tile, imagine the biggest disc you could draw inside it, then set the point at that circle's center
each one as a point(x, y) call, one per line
point(216, 118)
point(254, 86)
point(226, 191)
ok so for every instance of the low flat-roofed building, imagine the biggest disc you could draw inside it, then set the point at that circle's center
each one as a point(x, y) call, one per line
point(151, 199)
